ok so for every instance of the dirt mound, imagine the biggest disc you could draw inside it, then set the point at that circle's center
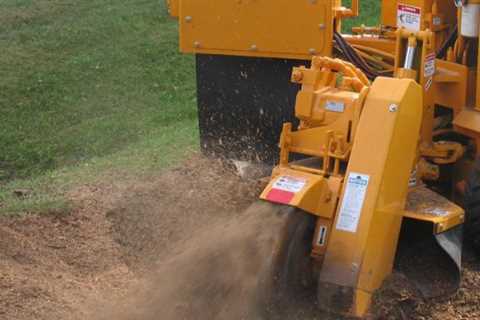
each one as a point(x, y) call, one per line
point(51, 266)
point(178, 245)
point(61, 266)
point(213, 276)
point(399, 299)
point(217, 275)
point(154, 216)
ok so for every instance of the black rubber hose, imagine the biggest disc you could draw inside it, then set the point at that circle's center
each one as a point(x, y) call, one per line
point(352, 56)
point(441, 53)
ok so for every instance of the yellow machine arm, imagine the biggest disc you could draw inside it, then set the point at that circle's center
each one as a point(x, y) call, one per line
point(364, 235)
point(362, 143)
point(367, 142)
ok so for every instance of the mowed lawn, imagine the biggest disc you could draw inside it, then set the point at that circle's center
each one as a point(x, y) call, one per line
point(96, 84)
point(88, 88)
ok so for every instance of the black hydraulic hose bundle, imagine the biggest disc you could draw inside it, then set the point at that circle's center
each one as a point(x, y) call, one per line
point(352, 56)
point(349, 53)
point(450, 42)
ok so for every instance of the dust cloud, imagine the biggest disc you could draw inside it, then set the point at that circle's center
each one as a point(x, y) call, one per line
point(215, 275)
point(203, 245)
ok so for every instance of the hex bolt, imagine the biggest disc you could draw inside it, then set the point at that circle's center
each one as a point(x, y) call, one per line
point(297, 76)
point(393, 107)
point(328, 197)
point(355, 267)
point(188, 18)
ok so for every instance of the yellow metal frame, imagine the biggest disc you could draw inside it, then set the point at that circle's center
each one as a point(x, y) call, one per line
point(391, 106)
point(383, 131)
point(268, 28)
point(428, 206)
point(356, 263)
point(317, 197)
point(173, 7)
point(293, 30)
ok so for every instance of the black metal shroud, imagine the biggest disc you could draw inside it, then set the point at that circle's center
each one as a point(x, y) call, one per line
point(242, 104)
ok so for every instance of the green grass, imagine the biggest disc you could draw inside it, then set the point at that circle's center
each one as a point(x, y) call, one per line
point(86, 78)
point(89, 83)
point(369, 14)
point(92, 90)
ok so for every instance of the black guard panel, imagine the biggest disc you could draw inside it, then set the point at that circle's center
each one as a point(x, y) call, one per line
point(242, 104)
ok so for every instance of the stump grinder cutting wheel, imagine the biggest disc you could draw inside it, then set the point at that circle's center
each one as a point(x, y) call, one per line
point(358, 179)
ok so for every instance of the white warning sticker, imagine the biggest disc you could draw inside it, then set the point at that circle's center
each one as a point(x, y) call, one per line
point(429, 65)
point(335, 106)
point(409, 17)
point(289, 184)
point(352, 203)
point(428, 84)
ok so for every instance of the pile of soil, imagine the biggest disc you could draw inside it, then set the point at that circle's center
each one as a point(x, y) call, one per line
point(155, 216)
point(53, 266)
point(71, 266)
point(185, 244)
point(399, 299)
point(211, 276)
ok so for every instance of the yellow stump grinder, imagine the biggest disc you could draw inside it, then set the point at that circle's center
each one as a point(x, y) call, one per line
point(378, 132)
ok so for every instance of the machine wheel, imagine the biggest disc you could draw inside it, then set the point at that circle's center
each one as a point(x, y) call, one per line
point(472, 207)
point(288, 275)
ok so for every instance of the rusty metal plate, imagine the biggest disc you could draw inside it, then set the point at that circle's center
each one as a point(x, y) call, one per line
point(424, 201)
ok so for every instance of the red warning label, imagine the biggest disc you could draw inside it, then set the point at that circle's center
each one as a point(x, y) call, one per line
point(409, 17)
point(280, 196)
point(285, 188)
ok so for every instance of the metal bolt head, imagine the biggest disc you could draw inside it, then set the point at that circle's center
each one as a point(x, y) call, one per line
point(196, 44)
point(188, 18)
point(321, 26)
point(393, 107)
point(297, 76)
point(312, 51)
point(253, 47)
point(355, 267)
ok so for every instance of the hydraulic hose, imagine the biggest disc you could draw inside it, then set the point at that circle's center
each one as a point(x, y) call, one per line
point(442, 52)
point(352, 56)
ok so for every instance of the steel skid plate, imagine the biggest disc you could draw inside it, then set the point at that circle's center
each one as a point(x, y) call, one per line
point(267, 28)
point(430, 249)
